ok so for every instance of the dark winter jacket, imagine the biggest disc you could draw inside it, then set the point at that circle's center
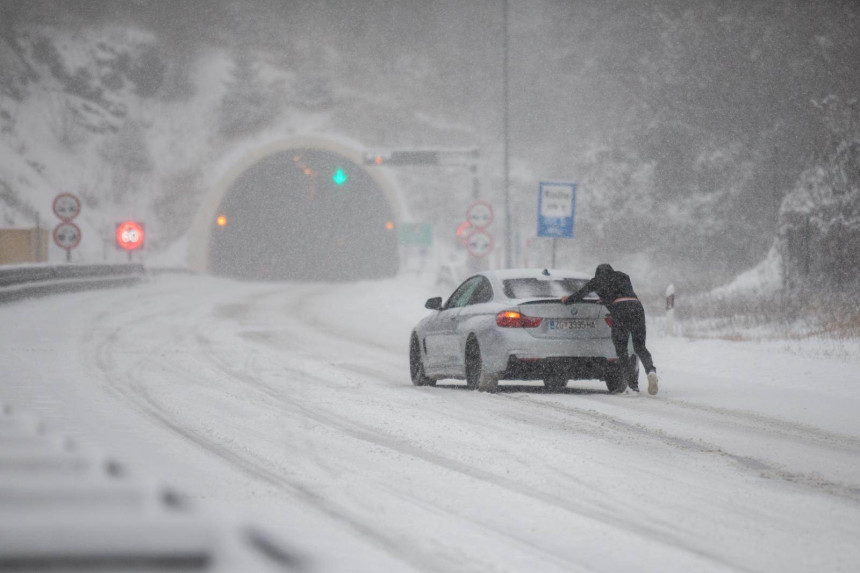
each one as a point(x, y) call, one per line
point(610, 285)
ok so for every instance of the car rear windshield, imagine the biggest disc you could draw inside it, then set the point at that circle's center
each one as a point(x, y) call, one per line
point(539, 288)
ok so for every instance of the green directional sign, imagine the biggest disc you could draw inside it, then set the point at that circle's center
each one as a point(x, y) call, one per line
point(416, 234)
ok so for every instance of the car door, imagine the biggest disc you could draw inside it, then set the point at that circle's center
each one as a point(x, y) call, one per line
point(471, 318)
point(440, 340)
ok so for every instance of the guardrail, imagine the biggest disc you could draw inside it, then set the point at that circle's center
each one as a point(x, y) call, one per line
point(66, 508)
point(25, 281)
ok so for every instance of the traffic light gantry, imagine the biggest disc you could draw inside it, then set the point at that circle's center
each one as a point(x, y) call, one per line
point(422, 157)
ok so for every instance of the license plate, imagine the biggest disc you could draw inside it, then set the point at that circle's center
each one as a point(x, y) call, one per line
point(571, 324)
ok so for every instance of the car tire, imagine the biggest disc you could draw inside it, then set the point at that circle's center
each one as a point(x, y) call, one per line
point(555, 382)
point(476, 374)
point(416, 365)
point(615, 381)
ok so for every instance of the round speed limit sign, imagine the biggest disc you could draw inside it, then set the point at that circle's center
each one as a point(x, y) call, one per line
point(67, 236)
point(129, 235)
point(66, 206)
point(479, 214)
point(479, 244)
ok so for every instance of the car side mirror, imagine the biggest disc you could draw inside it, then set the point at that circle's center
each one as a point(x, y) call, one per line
point(434, 303)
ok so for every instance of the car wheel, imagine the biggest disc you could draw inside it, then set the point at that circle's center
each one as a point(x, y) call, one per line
point(476, 375)
point(555, 382)
point(416, 365)
point(615, 381)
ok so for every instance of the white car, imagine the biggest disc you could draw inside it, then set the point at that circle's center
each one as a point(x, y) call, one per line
point(510, 325)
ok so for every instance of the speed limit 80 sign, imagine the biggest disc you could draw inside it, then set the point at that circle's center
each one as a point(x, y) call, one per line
point(129, 235)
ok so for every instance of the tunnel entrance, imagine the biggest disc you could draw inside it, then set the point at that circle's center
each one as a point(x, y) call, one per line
point(304, 214)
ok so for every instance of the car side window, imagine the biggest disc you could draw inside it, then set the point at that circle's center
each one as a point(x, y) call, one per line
point(463, 293)
point(483, 292)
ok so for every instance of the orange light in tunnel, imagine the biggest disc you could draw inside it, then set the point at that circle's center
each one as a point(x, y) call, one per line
point(378, 160)
point(221, 220)
point(389, 225)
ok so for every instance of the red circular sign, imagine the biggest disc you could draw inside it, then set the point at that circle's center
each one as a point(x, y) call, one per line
point(480, 214)
point(66, 206)
point(479, 244)
point(67, 235)
point(129, 235)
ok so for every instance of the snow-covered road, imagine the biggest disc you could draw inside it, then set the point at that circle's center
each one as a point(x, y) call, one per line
point(291, 404)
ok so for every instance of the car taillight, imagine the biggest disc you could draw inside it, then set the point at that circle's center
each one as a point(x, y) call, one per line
point(609, 321)
point(514, 319)
point(530, 321)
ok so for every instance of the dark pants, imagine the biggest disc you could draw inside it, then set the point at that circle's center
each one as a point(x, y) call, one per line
point(628, 319)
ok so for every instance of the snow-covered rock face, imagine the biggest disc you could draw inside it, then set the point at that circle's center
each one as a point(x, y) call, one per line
point(819, 232)
point(81, 112)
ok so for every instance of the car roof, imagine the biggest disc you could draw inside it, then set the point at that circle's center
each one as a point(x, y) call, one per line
point(506, 274)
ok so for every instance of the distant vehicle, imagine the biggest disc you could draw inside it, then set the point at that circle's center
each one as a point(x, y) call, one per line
point(510, 325)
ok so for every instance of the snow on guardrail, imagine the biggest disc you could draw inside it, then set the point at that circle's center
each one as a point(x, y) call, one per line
point(25, 281)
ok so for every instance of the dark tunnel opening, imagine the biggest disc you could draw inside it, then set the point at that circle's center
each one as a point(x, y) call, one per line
point(306, 215)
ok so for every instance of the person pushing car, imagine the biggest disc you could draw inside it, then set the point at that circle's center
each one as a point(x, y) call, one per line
point(628, 319)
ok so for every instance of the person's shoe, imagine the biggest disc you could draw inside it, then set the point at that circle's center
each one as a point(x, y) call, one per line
point(652, 382)
point(634, 386)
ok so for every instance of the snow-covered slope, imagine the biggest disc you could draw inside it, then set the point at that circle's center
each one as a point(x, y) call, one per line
point(86, 112)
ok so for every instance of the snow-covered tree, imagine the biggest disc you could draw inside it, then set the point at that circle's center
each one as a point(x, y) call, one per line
point(247, 104)
point(129, 158)
point(820, 219)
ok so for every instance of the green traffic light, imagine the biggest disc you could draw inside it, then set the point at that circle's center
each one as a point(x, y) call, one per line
point(339, 177)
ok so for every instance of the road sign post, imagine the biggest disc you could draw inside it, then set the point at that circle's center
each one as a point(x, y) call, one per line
point(556, 211)
point(479, 242)
point(66, 235)
point(479, 214)
point(66, 206)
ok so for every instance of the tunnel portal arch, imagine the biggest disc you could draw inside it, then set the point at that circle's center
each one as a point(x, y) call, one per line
point(286, 217)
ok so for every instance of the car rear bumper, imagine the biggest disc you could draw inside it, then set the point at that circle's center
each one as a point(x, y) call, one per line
point(514, 350)
point(572, 368)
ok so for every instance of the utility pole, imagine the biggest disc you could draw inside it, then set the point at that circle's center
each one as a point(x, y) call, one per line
point(506, 138)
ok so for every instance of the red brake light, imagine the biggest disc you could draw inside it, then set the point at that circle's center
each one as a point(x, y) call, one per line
point(530, 321)
point(508, 319)
point(609, 321)
point(513, 319)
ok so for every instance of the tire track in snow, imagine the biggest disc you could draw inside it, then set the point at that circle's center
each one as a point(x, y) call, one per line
point(369, 434)
point(755, 465)
point(138, 397)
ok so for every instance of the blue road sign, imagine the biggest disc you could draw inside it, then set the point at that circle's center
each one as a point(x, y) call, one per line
point(556, 209)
